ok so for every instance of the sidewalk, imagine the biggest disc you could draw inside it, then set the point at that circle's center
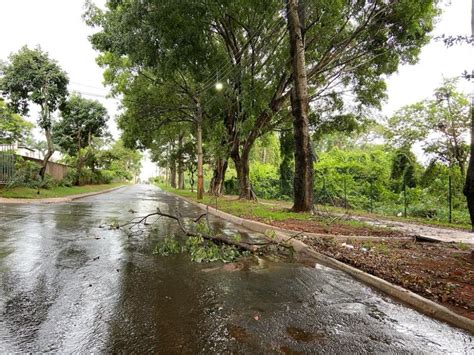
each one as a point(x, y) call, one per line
point(421, 231)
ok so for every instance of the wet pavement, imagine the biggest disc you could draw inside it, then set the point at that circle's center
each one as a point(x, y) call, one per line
point(67, 285)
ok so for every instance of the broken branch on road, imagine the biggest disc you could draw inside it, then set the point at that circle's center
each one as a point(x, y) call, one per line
point(201, 229)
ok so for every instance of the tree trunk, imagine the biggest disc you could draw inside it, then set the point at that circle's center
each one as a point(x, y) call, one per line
point(469, 185)
point(217, 182)
point(49, 153)
point(180, 163)
point(303, 182)
point(241, 162)
point(200, 173)
point(287, 149)
point(79, 158)
point(173, 174)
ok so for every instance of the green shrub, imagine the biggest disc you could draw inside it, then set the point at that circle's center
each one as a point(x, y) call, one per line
point(70, 178)
point(26, 174)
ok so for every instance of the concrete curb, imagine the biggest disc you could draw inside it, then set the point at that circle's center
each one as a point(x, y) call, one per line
point(416, 301)
point(55, 199)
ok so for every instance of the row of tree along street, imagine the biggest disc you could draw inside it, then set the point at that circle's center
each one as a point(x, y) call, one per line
point(212, 79)
point(29, 78)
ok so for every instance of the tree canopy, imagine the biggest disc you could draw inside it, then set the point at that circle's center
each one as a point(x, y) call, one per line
point(13, 128)
point(441, 124)
point(82, 119)
point(31, 77)
point(165, 57)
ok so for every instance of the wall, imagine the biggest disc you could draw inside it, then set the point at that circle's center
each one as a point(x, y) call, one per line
point(56, 170)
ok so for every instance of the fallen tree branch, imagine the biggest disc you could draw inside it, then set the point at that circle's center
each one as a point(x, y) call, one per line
point(135, 228)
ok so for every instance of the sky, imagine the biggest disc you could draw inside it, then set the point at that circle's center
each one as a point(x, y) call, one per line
point(413, 83)
point(57, 26)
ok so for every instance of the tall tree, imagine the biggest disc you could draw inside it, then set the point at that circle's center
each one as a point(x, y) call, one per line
point(82, 120)
point(469, 185)
point(31, 77)
point(303, 181)
point(348, 46)
point(175, 72)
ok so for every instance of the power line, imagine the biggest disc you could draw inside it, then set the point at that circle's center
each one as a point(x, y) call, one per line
point(87, 86)
point(92, 94)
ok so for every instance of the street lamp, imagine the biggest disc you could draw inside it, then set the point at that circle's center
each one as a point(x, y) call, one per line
point(219, 86)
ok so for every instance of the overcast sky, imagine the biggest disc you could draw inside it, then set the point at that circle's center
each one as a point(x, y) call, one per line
point(57, 26)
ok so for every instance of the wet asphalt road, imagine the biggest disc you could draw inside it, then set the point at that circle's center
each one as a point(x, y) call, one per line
point(67, 285)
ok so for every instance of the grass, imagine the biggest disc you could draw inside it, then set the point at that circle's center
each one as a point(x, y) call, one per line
point(276, 210)
point(242, 208)
point(267, 211)
point(59, 191)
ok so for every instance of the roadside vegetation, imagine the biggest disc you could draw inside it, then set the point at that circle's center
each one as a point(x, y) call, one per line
point(285, 104)
point(351, 177)
point(73, 126)
point(57, 191)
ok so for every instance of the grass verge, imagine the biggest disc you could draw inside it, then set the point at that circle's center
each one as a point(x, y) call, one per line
point(59, 191)
point(280, 216)
point(276, 210)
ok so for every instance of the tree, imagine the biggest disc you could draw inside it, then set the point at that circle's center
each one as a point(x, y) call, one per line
point(469, 184)
point(170, 71)
point(13, 128)
point(124, 163)
point(403, 168)
point(303, 181)
point(349, 46)
point(31, 77)
point(82, 119)
point(441, 124)
point(39, 146)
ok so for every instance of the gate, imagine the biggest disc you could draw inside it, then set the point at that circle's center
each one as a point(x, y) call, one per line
point(7, 163)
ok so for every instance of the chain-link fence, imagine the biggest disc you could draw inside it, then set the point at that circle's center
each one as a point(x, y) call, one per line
point(7, 163)
point(440, 199)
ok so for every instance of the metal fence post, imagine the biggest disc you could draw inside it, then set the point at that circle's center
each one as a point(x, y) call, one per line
point(405, 203)
point(450, 198)
point(345, 193)
point(371, 196)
